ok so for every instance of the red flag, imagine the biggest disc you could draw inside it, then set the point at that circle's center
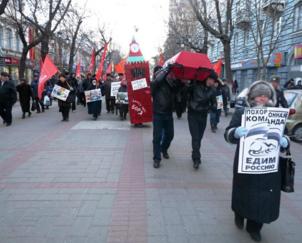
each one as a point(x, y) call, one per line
point(78, 70)
point(100, 70)
point(92, 61)
point(120, 67)
point(47, 71)
point(218, 67)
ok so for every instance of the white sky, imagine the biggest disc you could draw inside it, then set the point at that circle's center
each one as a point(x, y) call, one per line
point(120, 17)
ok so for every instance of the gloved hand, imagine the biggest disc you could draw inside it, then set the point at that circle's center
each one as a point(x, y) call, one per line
point(240, 132)
point(283, 142)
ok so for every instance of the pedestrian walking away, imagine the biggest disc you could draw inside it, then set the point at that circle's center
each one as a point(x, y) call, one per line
point(8, 97)
point(39, 103)
point(280, 99)
point(25, 95)
point(255, 197)
point(202, 100)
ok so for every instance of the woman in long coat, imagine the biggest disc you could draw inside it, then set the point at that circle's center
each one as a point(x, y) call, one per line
point(25, 94)
point(64, 106)
point(255, 197)
point(95, 107)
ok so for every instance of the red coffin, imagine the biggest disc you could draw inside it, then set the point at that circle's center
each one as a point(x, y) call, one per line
point(139, 92)
point(190, 66)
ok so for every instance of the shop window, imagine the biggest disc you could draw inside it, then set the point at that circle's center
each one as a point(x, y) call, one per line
point(9, 39)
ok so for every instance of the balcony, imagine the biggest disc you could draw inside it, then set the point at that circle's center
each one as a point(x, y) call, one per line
point(273, 8)
point(243, 20)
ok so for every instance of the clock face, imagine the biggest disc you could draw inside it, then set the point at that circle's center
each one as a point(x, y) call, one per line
point(134, 47)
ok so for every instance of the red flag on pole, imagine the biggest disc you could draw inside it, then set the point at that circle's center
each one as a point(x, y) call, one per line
point(92, 61)
point(218, 67)
point(47, 71)
point(78, 70)
point(100, 70)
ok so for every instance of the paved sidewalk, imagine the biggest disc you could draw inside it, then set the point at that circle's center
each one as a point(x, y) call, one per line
point(93, 181)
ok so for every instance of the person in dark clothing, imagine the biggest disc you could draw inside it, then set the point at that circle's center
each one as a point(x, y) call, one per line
point(25, 94)
point(299, 85)
point(202, 99)
point(122, 100)
point(255, 197)
point(226, 97)
point(235, 87)
point(64, 106)
point(95, 107)
point(8, 97)
point(216, 113)
point(34, 86)
point(290, 84)
point(163, 127)
point(85, 84)
point(180, 102)
point(74, 84)
point(281, 101)
point(110, 101)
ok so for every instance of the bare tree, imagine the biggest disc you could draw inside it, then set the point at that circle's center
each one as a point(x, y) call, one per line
point(185, 28)
point(46, 16)
point(266, 28)
point(220, 25)
point(3, 5)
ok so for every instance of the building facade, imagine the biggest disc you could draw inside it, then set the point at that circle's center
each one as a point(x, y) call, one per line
point(280, 22)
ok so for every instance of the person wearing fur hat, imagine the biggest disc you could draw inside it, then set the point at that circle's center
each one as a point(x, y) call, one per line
point(281, 101)
point(201, 100)
point(255, 197)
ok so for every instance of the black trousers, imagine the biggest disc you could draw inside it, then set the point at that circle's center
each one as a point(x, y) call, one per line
point(110, 104)
point(38, 104)
point(65, 112)
point(197, 125)
point(251, 226)
point(163, 133)
point(25, 106)
point(6, 112)
point(123, 110)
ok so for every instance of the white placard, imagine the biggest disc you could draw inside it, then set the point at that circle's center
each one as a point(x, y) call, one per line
point(114, 88)
point(139, 84)
point(219, 102)
point(259, 149)
point(60, 92)
point(93, 95)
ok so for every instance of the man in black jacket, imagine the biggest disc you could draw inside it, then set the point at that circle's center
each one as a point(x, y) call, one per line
point(163, 127)
point(8, 97)
point(281, 101)
point(202, 99)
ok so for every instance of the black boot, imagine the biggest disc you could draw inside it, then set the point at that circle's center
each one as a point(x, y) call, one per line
point(166, 155)
point(196, 163)
point(23, 116)
point(239, 221)
point(256, 236)
point(156, 164)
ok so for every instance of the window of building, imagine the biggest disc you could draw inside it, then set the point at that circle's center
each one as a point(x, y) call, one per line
point(298, 18)
point(235, 42)
point(278, 26)
point(9, 39)
point(1, 37)
point(17, 42)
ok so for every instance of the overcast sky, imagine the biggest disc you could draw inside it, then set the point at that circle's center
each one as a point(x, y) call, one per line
point(120, 17)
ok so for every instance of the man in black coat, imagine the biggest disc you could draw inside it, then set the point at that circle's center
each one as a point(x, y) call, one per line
point(281, 101)
point(202, 100)
point(255, 197)
point(8, 97)
point(163, 127)
point(25, 94)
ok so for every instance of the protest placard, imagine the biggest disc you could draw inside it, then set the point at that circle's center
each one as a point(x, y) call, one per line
point(259, 149)
point(219, 102)
point(139, 84)
point(60, 92)
point(122, 98)
point(93, 95)
point(114, 88)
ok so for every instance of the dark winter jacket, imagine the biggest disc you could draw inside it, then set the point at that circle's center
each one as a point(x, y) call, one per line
point(66, 86)
point(8, 93)
point(162, 93)
point(254, 196)
point(281, 101)
point(202, 99)
point(25, 92)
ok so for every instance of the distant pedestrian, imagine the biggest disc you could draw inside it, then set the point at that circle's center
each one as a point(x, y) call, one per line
point(235, 87)
point(226, 97)
point(39, 102)
point(95, 107)
point(215, 113)
point(64, 106)
point(281, 101)
point(8, 97)
point(25, 95)
point(110, 100)
point(299, 85)
point(290, 84)
point(123, 100)
point(255, 197)
point(202, 100)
